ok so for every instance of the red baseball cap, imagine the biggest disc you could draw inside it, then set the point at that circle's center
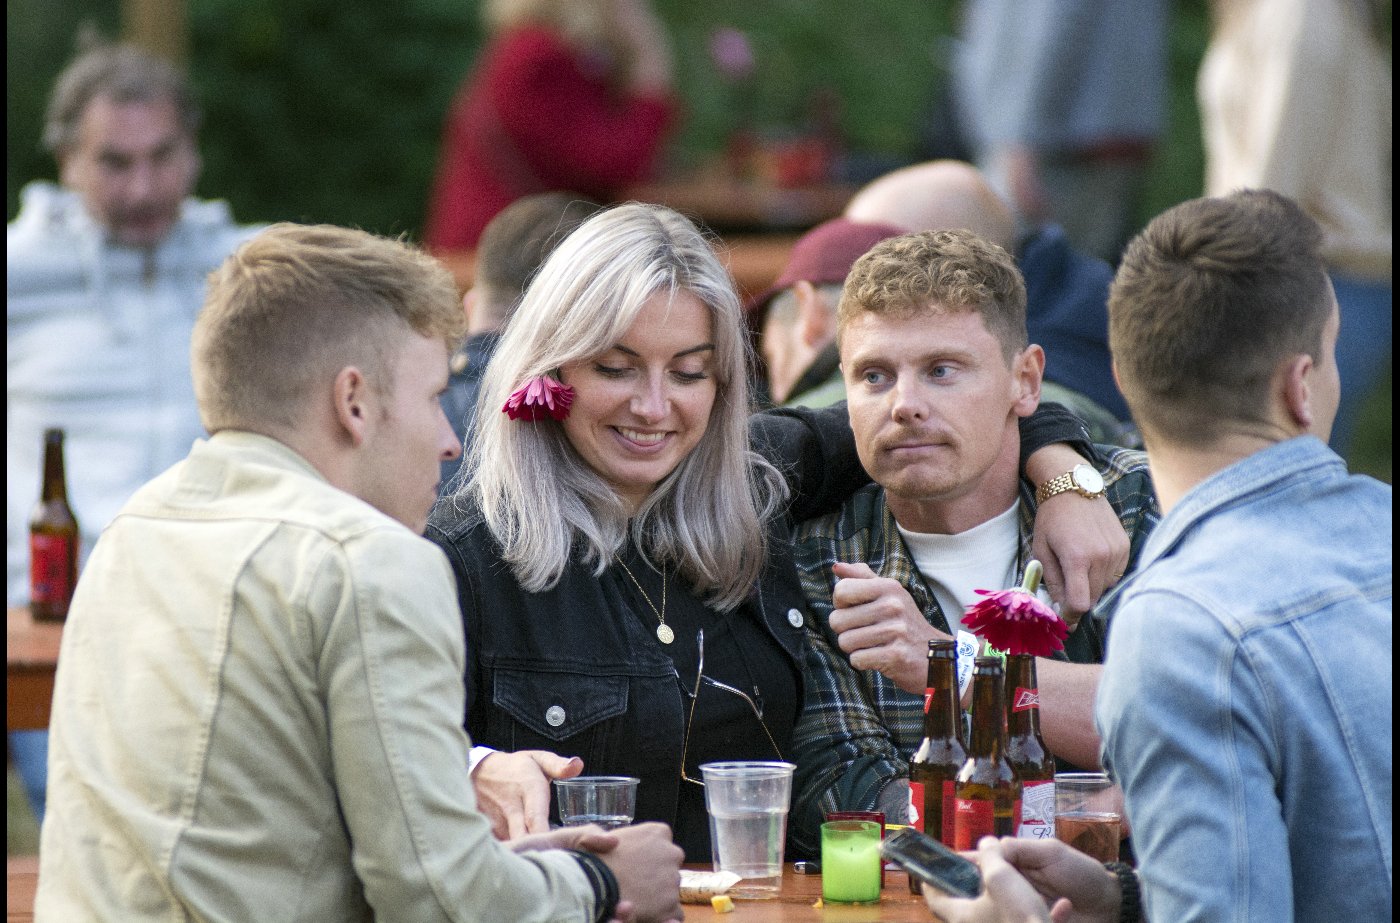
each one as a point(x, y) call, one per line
point(824, 256)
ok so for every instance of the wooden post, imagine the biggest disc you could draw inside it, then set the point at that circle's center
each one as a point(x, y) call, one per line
point(158, 26)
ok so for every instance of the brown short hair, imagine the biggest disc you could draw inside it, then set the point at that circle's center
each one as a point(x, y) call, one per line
point(1206, 302)
point(515, 243)
point(123, 74)
point(953, 269)
point(296, 304)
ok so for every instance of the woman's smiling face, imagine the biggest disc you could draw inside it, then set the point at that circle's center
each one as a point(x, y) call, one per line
point(642, 406)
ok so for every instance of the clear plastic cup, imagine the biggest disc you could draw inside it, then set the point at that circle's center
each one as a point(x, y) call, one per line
point(748, 806)
point(608, 801)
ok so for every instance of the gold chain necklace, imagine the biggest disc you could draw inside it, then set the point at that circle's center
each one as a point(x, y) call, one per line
point(664, 634)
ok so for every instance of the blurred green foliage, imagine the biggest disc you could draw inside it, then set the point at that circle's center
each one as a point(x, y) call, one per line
point(331, 110)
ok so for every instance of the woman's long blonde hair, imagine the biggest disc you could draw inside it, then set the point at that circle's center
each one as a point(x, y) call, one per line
point(541, 501)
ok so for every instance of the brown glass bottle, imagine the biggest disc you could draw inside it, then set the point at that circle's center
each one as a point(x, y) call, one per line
point(1026, 750)
point(53, 539)
point(988, 793)
point(933, 768)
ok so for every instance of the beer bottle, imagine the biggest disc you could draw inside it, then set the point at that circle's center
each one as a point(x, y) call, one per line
point(935, 764)
point(987, 795)
point(1026, 750)
point(53, 539)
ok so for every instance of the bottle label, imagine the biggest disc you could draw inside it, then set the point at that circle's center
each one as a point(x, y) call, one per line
point(950, 797)
point(968, 644)
point(1025, 698)
point(916, 806)
point(972, 820)
point(1037, 810)
point(928, 699)
point(50, 582)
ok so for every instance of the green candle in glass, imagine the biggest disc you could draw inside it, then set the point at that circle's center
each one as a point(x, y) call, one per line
point(851, 862)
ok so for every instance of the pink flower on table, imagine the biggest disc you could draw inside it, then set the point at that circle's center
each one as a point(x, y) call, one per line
point(538, 398)
point(1017, 622)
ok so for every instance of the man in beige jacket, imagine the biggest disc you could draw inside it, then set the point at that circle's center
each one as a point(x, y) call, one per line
point(258, 706)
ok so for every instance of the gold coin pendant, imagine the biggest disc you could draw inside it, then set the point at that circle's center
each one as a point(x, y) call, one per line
point(665, 634)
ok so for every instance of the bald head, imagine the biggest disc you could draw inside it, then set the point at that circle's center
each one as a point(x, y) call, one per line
point(936, 196)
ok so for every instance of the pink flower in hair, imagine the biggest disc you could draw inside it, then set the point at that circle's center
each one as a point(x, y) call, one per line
point(1016, 621)
point(540, 397)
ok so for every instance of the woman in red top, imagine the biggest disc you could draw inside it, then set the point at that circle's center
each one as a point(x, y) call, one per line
point(570, 95)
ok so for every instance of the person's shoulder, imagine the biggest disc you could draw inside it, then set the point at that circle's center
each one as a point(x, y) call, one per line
point(457, 522)
point(211, 224)
point(42, 244)
point(863, 511)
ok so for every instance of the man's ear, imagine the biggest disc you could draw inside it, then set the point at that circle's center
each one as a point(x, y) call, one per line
point(351, 394)
point(1027, 372)
point(1295, 392)
point(816, 323)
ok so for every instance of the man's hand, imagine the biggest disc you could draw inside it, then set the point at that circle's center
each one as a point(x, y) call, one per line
point(1084, 549)
point(878, 625)
point(1021, 877)
point(588, 837)
point(512, 789)
point(647, 866)
point(1081, 889)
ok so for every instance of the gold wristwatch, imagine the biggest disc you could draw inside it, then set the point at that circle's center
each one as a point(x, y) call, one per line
point(1082, 479)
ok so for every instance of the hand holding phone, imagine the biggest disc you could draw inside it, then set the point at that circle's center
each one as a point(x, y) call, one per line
point(930, 861)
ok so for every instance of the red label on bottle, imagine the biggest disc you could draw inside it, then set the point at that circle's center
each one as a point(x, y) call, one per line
point(1025, 698)
point(916, 806)
point(50, 581)
point(928, 699)
point(972, 820)
point(950, 793)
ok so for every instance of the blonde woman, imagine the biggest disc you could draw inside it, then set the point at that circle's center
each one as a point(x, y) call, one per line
point(619, 532)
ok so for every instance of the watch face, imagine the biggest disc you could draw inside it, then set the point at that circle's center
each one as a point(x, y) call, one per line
point(1088, 479)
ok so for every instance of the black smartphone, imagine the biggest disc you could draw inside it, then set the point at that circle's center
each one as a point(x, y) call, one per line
point(929, 860)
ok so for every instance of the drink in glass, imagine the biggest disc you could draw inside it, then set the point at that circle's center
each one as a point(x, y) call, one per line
point(608, 801)
point(1089, 813)
point(748, 807)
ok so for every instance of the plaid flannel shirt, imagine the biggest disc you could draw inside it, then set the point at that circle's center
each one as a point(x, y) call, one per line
point(858, 729)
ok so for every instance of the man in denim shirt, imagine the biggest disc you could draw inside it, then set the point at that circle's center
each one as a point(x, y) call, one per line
point(1245, 704)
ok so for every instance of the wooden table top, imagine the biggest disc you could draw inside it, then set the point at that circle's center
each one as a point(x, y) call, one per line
point(794, 903)
point(21, 881)
point(31, 657)
point(30, 645)
point(728, 204)
point(799, 893)
point(754, 260)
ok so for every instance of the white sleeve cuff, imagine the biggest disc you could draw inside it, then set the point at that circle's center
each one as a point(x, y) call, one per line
point(476, 756)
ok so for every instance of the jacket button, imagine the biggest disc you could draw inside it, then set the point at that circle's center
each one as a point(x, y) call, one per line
point(795, 618)
point(555, 716)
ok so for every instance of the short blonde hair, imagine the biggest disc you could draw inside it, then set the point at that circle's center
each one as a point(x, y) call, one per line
point(297, 303)
point(954, 270)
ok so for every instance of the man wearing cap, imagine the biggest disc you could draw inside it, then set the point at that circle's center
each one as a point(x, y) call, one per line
point(796, 317)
